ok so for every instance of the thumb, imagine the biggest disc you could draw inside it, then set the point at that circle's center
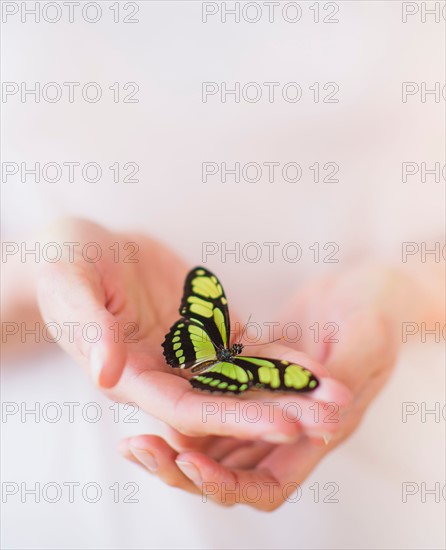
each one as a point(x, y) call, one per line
point(320, 408)
point(367, 346)
point(72, 299)
point(329, 389)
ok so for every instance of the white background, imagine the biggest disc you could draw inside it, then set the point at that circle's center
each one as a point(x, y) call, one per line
point(169, 133)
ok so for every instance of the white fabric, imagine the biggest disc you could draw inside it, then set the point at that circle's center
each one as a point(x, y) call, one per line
point(169, 133)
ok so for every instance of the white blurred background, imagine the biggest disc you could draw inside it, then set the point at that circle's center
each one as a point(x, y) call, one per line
point(169, 133)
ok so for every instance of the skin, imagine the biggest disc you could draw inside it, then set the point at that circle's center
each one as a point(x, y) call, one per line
point(210, 457)
point(369, 304)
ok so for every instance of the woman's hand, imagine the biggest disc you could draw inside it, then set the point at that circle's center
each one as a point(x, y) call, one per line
point(367, 304)
point(132, 293)
point(261, 472)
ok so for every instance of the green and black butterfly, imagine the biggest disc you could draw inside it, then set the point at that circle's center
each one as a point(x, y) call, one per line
point(199, 341)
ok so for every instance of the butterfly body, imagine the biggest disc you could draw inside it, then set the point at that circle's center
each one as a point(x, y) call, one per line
point(199, 343)
point(228, 354)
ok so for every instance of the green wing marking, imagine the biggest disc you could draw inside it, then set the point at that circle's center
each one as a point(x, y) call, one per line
point(247, 372)
point(224, 377)
point(192, 341)
point(204, 300)
point(188, 344)
point(276, 375)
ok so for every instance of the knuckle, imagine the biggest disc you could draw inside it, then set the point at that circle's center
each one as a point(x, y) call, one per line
point(227, 502)
point(187, 430)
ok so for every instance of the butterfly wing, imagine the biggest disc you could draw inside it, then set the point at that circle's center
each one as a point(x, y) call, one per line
point(188, 344)
point(192, 342)
point(204, 300)
point(276, 375)
point(244, 373)
point(224, 377)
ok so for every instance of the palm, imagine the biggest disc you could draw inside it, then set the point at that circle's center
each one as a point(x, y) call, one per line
point(140, 301)
point(153, 313)
point(226, 462)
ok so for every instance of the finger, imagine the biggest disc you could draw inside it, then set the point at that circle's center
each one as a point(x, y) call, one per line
point(366, 348)
point(124, 451)
point(247, 456)
point(220, 484)
point(229, 487)
point(179, 441)
point(329, 389)
point(216, 447)
point(318, 411)
point(309, 305)
point(231, 452)
point(193, 413)
point(222, 447)
point(211, 445)
point(271, 417)
point(352, 415)
point(291, 464)
point(274, 479)
point(156, 456)
point(73, 299)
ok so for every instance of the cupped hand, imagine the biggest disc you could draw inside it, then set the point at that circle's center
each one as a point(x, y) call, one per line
point(261, 472)
point(127, 288)
point(361, 310)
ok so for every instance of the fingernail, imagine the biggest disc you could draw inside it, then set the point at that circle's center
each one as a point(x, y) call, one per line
point(190, 470)
point(146, 458)
point(280, 438)
point(96, 364)
point(321, 436)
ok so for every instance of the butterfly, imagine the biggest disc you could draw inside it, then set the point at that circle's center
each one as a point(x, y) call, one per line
point(199, 342)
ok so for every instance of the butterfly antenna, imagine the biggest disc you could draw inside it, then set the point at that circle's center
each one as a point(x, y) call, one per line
point(264, 343)
point(245, 328)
